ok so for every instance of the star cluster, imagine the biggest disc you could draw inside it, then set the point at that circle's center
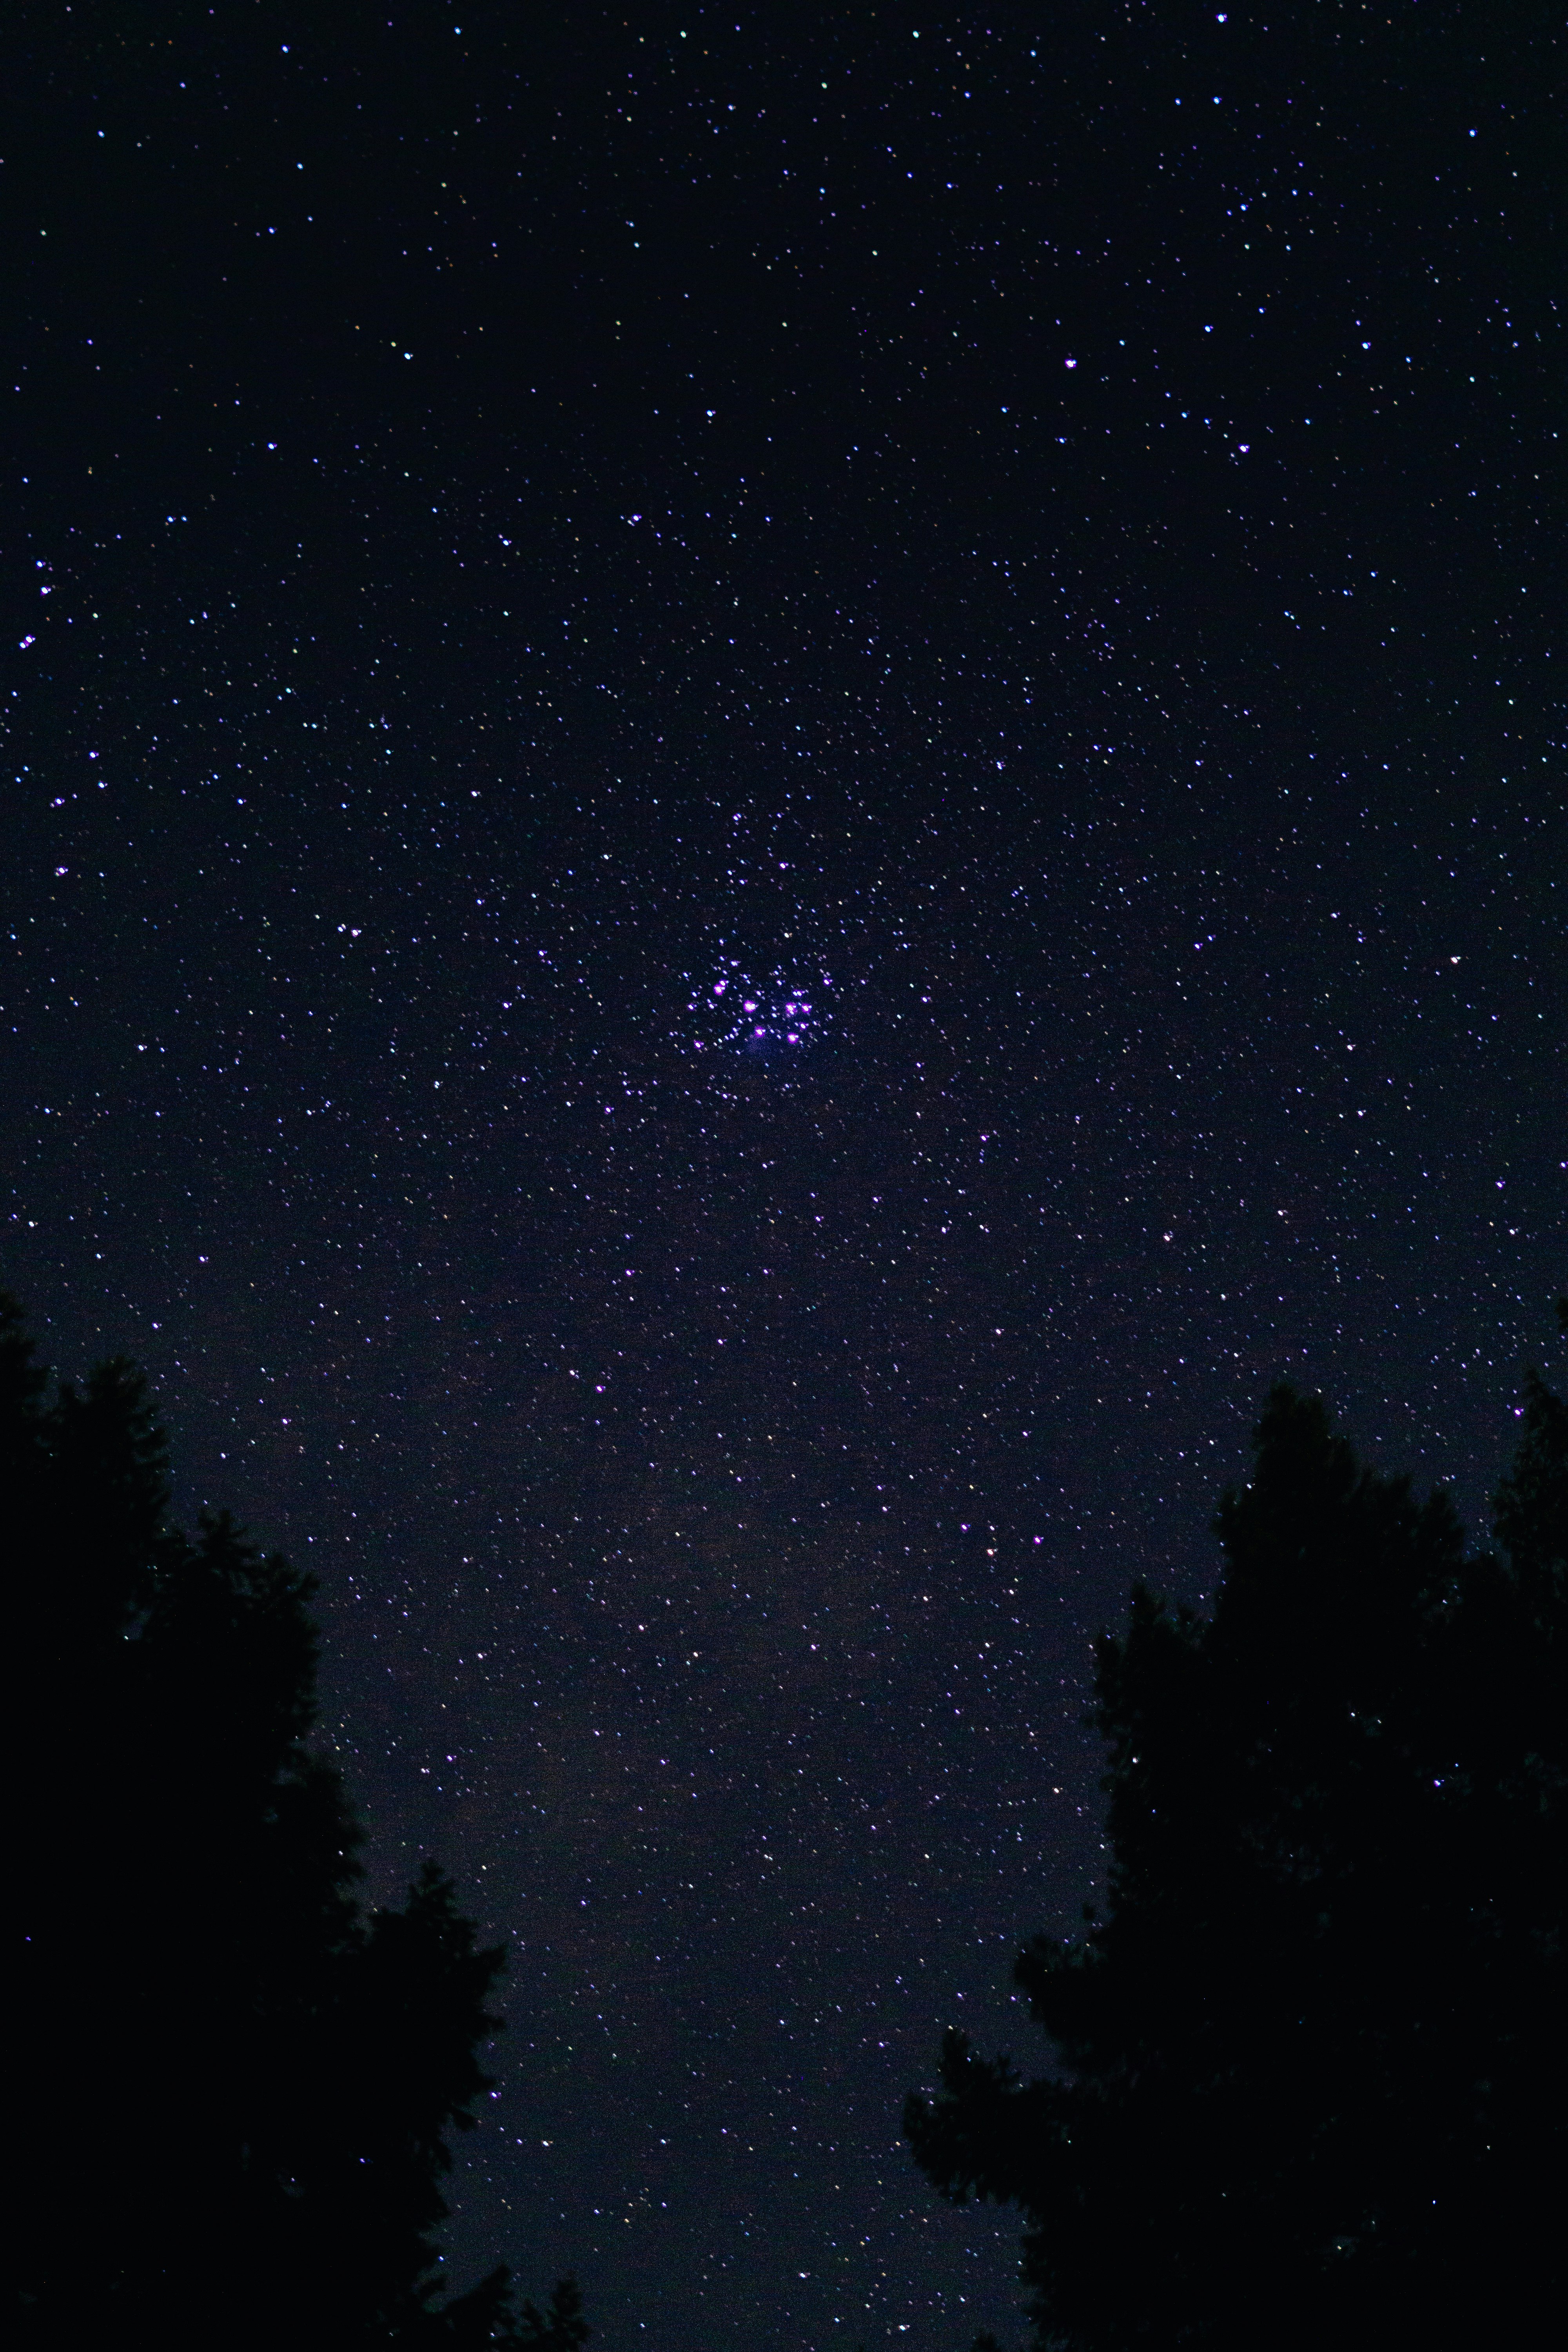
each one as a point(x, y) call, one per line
point(743, 1014)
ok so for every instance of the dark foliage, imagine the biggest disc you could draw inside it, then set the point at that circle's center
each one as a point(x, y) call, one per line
point(1311, 2083)
point(234, 2087)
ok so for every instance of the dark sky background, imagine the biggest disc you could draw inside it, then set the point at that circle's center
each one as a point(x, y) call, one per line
point(779, 783)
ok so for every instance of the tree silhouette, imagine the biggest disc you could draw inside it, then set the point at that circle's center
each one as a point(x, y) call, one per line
point(1310, 2062)
point(235, 2088)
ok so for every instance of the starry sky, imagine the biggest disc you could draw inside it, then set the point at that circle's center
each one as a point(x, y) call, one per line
point(780, 783)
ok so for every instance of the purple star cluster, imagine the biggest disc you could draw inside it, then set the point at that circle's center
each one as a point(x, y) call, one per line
point(737, 1014)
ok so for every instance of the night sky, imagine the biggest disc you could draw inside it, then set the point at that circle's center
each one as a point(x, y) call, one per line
point(778, 784)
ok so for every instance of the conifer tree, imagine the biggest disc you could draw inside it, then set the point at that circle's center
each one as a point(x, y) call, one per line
point(235, 2087)
point(1310, 2083)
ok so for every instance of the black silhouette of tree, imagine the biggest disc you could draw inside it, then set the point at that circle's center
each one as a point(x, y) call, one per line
point(1311, 2083)
point(234, 2087)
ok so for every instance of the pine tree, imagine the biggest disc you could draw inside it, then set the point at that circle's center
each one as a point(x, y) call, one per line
point(235, 2087)
point(1310, 2080)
